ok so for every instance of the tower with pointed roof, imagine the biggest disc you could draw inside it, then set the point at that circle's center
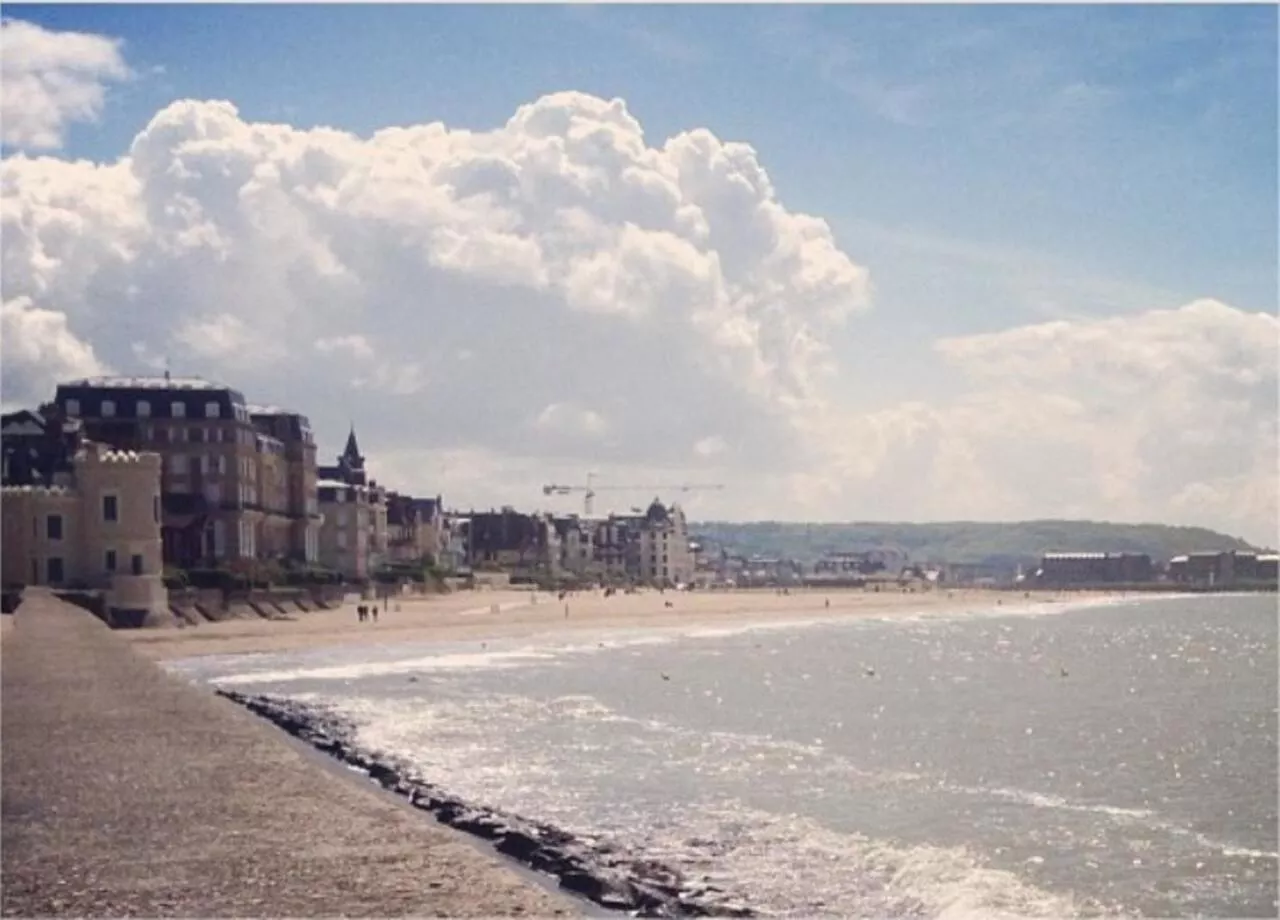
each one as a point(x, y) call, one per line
point(351, 461)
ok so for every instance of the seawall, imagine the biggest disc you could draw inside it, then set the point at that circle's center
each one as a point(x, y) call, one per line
point(128, 792)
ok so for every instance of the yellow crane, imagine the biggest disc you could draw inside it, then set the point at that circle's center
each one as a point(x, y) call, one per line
point(589, 490)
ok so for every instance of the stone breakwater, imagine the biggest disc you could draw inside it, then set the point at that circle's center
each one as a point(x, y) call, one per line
point(596, 870)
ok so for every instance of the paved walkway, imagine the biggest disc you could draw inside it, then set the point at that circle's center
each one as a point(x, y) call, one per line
point(129, 792)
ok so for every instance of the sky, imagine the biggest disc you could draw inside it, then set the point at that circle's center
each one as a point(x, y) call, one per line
point(851, 263)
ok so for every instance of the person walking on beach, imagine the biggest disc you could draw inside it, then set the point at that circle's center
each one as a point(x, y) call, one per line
point(361, 613)
point(374, 611)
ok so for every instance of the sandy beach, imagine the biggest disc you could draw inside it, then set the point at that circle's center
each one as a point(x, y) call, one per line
point(483, 615)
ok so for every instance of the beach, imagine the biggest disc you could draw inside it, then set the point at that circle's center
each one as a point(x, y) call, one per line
point(481, 615)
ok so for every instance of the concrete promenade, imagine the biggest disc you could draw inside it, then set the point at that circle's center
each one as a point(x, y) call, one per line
point(127, 792)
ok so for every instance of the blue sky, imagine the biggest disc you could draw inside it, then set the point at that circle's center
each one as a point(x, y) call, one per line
point(993, 168)
point(1133, 144)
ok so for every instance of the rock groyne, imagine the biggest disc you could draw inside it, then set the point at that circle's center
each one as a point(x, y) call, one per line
point(596, 870)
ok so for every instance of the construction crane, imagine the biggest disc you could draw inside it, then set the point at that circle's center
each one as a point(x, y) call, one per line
point(589, 490)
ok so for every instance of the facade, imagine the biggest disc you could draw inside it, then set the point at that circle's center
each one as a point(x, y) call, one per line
point(288, 477)
point(665, 557)
point(508, 539)
point(652, 547)
point(354, 535)
point(415, 529)
point(229, 490)
point(97, 526)
point(1095, 568)
point(577, 545)
point(1225, 569)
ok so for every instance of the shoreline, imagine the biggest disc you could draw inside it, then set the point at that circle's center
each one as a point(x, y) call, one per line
point(483, 615)
point(595, 870)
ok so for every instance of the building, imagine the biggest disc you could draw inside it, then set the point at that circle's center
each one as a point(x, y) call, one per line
point(287, 480)
point(415, 529)
point(511, 540)
point(577, 545)
point(354, 536)
point(1094, 568)
point(665, 557)
point(1223, 569)
point(36, 448)
point(229, 489)
point(96, 526)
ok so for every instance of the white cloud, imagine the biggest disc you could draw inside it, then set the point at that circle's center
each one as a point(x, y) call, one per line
point(558, 251)
point(1166, 415)
point(559, 295)
point(39, 350)
point(566, 418)
point(49, 80)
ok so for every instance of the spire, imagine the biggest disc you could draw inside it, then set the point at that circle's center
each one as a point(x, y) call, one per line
point(351, 453)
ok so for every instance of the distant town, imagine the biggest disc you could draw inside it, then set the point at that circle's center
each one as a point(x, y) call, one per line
point(136, 488)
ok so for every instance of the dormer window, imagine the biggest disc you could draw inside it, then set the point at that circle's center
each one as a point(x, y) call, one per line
point(212, 410)
point(144, 409)
point(73, 407)
point(108, 408)
point(178, 409)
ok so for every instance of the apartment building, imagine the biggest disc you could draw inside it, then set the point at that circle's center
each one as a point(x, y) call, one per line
point(665, 557)
point(651, 547)
point(512, 540)
point(232, 486)
point(354, 535)
point(96, 524)
point(415, 528)
point(577, 545)
point(1094, 568)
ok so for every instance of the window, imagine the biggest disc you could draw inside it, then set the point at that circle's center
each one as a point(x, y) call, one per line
point(213, 492)
point(219, 539)
point(53, 527)
point(54, 570)
point(342, 539)
point(110, 508)
point(178, 409)
point(109, 560)
point(108, 408)
point(228, 435)
point(162, 435)
point(196, 436)
point(179, 436)
point(73, 407)
point(135, 563)
point(148, 433)
point(155, 508)
point(144, 409)
point(35, 571)
point(212, 410)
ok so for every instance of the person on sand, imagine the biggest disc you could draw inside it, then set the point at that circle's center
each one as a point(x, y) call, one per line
point(373, 611)
point(360, 613)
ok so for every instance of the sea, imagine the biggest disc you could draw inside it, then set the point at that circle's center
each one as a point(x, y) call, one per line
point(1106, 758)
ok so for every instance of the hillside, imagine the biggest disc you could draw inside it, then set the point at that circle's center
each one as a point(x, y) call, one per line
point(963, 541)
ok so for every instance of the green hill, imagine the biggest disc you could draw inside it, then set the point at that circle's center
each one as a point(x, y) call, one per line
point(963, 541)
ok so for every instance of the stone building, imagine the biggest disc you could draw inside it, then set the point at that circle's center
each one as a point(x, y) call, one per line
point(235, 482)
point(415, 529)
point(95, 526)
point(511, 540)
point(354, 535)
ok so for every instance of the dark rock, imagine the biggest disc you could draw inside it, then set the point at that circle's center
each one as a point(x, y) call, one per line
point(596, 869)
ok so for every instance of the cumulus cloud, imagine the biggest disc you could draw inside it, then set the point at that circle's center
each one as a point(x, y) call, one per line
point(1165, 415)
point(560, 252)
point(48, 80)
point(562, 293)
point(37, 350)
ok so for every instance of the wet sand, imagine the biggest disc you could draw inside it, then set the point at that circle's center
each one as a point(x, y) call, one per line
point(470, 615)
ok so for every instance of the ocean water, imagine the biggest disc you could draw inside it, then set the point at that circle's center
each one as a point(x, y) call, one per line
point(1110, 759)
